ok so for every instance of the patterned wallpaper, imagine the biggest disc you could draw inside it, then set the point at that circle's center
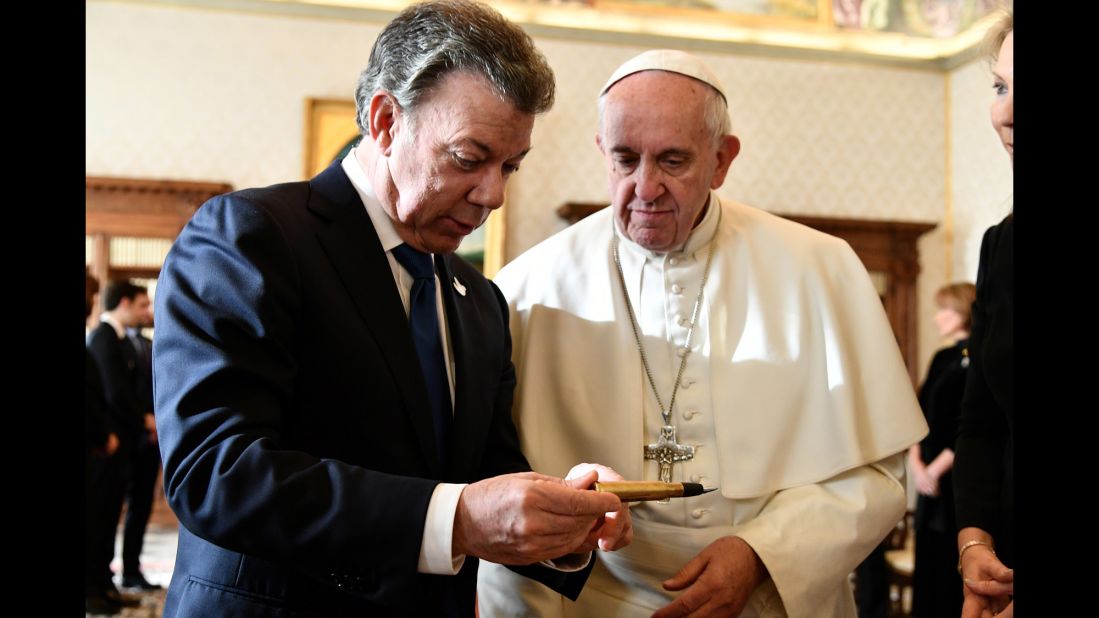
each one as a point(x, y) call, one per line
point(819, 138)
point(982, 172)
point(981, 195)
point(203, 95)
point(215, 95)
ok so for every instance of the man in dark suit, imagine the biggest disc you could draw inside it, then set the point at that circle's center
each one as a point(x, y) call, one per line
point(144, 463)
point(100, 442)
point(125, 305)
point(335, 422)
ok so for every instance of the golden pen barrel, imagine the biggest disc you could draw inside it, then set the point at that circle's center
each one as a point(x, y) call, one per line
point(636, 491)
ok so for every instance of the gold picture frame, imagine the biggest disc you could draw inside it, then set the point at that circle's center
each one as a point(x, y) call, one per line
point(330, 130)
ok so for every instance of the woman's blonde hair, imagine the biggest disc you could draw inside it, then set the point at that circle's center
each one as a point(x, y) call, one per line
point(997, 33)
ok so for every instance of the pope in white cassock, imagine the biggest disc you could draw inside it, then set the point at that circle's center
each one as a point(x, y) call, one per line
point(679, 335)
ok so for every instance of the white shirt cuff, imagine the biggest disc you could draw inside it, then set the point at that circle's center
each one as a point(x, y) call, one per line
point(569, 563)
point(435, 550)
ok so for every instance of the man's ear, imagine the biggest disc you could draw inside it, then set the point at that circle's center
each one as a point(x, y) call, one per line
point(727, 150)
point(384, 117)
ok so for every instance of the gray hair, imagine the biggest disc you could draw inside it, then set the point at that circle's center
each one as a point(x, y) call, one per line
point(715, 113)
point(427, 41)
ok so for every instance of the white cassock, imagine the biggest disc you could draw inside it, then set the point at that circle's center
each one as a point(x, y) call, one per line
point(794, 394)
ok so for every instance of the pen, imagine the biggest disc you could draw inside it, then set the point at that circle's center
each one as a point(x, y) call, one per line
point(636, 491)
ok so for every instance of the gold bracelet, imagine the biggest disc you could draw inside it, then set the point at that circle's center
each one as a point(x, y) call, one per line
point(968, 544)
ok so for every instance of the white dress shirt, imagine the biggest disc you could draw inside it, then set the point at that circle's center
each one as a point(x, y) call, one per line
point(435, 550)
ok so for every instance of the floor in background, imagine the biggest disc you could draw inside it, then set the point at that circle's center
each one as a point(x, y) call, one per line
point(158, 557)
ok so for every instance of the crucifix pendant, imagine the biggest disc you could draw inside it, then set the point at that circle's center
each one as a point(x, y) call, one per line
point(667, 451)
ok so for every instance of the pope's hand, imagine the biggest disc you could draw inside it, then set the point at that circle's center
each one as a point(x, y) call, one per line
point(716, 582)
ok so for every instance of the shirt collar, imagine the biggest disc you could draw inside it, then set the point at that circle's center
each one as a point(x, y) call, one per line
point(383, 225)
point(115, 324)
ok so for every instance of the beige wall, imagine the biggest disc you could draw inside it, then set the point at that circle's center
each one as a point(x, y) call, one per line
point(817, 138)
point(215, 95)
point(205, 95)
point(981, 170)
point(981, 187)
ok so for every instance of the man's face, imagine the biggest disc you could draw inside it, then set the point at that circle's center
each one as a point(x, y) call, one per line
point(447, 169)
point(662, 160)
point(136, 313)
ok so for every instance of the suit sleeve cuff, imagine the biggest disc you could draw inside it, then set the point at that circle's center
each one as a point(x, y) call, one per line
point(435, 549)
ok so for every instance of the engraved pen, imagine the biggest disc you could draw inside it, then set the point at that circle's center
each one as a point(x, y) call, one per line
point(637, 491)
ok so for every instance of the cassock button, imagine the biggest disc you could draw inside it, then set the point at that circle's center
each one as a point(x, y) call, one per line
point(698, 513)
point(681, 320)
point(696, 478)
point(689, 414)
point(676, 289)
point(673, 261)
point(686, 383)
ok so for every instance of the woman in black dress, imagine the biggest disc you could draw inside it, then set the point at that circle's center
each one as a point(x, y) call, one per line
point(984, 466)
point(936, 587)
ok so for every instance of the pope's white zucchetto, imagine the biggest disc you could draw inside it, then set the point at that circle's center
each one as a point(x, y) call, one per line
point(671, 60)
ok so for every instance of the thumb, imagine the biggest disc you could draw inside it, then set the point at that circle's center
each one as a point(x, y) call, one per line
point(1004, 574)
point(687, 574)
point(583, 481)
point(989, 587)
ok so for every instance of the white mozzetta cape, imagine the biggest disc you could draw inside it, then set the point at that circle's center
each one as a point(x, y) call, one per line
point(812, 405)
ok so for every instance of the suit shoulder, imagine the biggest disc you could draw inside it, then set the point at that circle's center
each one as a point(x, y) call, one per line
point(274, 211)
point(998, 235)
point(277, 200)
point(103, 334)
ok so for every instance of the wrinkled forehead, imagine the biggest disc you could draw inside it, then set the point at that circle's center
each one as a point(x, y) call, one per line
point(649, 97)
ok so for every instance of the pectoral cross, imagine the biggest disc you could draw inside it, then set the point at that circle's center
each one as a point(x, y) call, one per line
point(667, 451)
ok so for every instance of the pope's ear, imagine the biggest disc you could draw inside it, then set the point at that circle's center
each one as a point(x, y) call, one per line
point(727, 150)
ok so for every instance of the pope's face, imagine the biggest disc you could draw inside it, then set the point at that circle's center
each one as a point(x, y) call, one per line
point(448, 163)
point(661, 157)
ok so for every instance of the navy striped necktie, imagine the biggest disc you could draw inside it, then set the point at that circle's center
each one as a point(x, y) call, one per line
point(423, 319)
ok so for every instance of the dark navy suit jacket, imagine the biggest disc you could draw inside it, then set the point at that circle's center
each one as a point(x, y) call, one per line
point(294, 425)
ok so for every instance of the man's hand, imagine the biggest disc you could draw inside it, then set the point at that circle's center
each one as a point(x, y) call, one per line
point(527, 517)
point(615, 529)
point(718, 581)
point(112, 444)
point(150, 427)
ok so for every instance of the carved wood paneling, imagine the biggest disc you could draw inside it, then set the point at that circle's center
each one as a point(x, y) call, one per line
point(141, 208)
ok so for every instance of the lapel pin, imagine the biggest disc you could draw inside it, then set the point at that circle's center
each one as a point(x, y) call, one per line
point(458, 286)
